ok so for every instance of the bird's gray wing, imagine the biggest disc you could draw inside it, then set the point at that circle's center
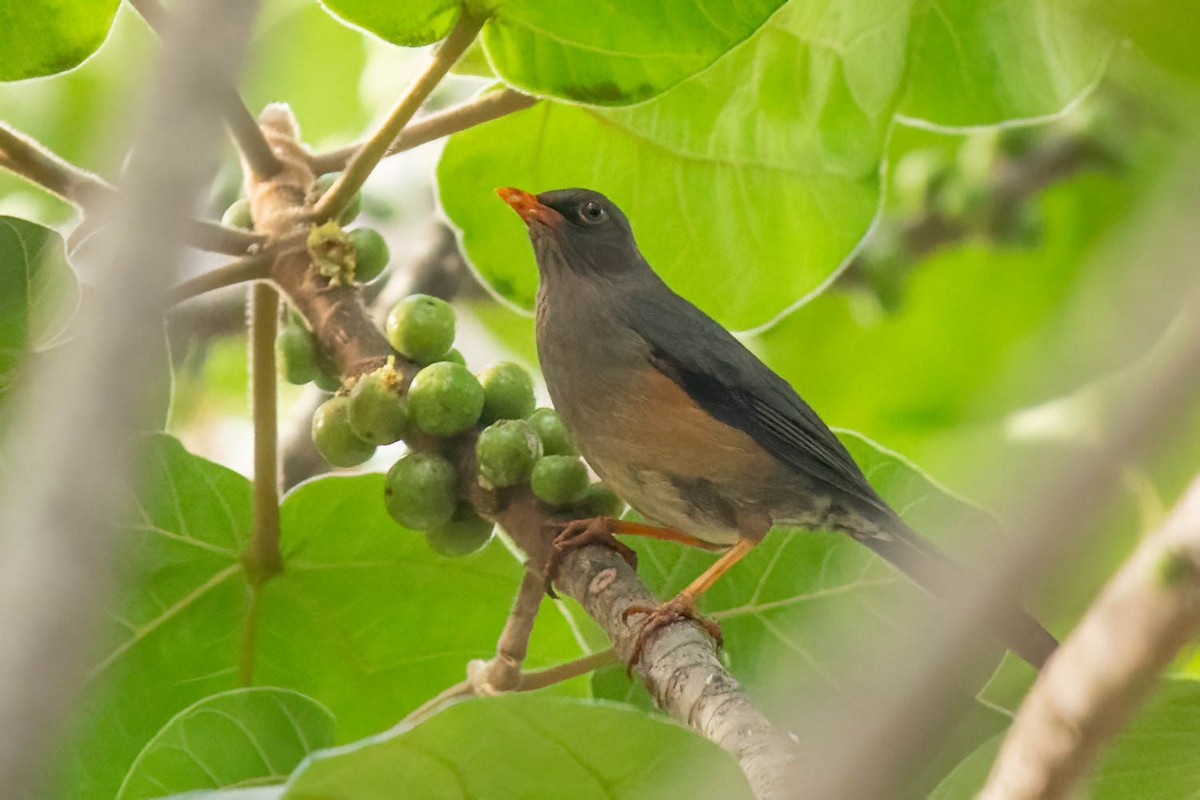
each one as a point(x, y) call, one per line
point(734, 386)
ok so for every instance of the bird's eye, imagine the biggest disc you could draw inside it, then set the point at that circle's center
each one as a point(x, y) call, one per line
point(593, 212)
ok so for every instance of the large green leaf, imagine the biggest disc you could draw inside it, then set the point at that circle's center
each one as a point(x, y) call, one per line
point(38, 292)
point(50, 36)
point(785, 608)
point(1154, 757)
point(563, 748)
point(237, 738)
point(980, 62)
point(177, 624)
point(602, 53)
point(366, 619)
point(744, 197)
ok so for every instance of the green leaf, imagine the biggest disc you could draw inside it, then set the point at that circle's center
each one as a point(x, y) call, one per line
point(980, 62)
point(745, 202)
point(236, 738)
point(616, 52)
point(785, 607)
point(307, 60)
point(407, 24)
point(609, 53)
point(567, 748)
point(370, 621)
point(1154, 757)
point(365, 619)
point(177, 624)
point(38, 293)
point(43, 38)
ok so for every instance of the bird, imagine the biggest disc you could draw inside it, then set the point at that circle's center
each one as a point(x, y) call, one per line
point(692, 429)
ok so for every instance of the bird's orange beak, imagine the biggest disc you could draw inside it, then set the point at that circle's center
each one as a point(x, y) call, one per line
point(528, 207)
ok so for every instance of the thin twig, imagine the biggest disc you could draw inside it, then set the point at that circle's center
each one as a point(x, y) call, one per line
point(503, 672)
point(35, 163)
point(527, 682)
point(484, 108)
point(246, 134)
point(262, 558)
point(1109, 664)
point(249, 268)
point(363, 163)
point(541, 678)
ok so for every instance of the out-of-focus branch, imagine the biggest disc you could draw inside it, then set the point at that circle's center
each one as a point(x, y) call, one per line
point(76, 416)
point(1014, 181)
point(1107, 666)
point(364, 161)
point(242, 126)
point(868, 759)
point(29, 159)
point(474, 112)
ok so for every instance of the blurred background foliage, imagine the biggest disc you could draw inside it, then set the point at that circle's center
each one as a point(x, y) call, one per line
point(918, 218)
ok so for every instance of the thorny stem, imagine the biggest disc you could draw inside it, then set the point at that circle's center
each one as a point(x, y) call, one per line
point(363, 162)
point(242, 126)
point(249, 268)
point(484, 108)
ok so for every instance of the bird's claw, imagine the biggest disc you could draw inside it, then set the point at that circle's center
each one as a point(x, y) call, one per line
point(579, 533)
point(680, 607)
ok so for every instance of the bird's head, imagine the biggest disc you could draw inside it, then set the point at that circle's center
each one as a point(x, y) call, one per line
point(577, 230)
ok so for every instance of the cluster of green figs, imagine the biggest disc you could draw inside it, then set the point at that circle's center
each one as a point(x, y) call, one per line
point(518, 445)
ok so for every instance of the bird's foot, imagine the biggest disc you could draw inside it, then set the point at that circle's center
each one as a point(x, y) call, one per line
point(579, 533)
point(679, 607)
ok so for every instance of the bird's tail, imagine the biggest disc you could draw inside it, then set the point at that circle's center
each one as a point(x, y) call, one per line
point(939, 574)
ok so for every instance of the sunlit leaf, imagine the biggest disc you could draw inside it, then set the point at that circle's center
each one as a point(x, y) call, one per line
point(50, 36)
point(567, 748)
point(602, 53)
point(745, 197)
point(979, 62)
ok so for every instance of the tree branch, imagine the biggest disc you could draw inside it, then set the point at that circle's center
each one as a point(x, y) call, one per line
point(36, 164)
point(363, 162)
point(1109, 664)
point(866, 757)
point(250, 268)
point(477, 111)
point(27, 158)
point(245, 131)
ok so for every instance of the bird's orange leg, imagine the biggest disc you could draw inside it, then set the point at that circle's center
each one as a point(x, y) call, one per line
point(683, 605)
point(603, 530)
